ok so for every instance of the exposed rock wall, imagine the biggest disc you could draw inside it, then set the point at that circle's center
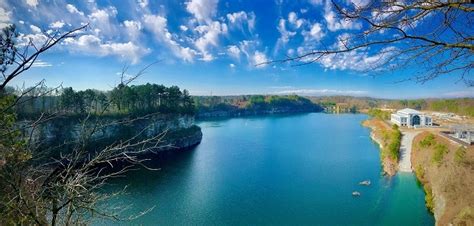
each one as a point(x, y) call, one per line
point(180, 131)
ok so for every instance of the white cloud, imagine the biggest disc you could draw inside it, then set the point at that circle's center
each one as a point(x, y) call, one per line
point(158, 25)
point(316, 2)
point(358, 60)
point(322, 92)
point(203, 10)
point(315, 33)
point(35, 29)
point(93, 45)
point(232, 65)
point(255, 57)
point(104, 20)
point(259, 59)
point(293, 19)
point(285, 34)
point(238, 19)
point(209, 38)
point(40, 63)
point(142, 3)
point(334, 23)
point(72, 9)
point(234, 52)
point(4, 18)
point(57, 25)
point(183, 28)
point(32, 3)
point(133, 28)
point(38, 39)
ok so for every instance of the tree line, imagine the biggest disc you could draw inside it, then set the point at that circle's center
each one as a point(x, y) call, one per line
point(123, 99)
point(254, 103)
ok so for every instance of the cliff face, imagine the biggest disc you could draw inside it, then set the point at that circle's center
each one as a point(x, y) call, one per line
point(179, 131)
point(446, 171)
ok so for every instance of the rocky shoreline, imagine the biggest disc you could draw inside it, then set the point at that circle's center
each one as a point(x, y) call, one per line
point(179, 132)
point(390, 167)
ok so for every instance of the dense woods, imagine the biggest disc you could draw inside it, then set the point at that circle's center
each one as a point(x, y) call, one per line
point(252, 105)
point(123, 99)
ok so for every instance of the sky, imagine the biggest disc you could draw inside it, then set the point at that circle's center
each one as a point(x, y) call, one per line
point(209, 47)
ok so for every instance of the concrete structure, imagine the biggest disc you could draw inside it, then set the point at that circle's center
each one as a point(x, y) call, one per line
point(411, 118)
point(464, 133)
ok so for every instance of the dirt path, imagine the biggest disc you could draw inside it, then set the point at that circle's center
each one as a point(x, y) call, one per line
point(404, 164)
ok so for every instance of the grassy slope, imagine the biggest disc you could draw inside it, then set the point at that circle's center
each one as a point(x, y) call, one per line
point(447, 176)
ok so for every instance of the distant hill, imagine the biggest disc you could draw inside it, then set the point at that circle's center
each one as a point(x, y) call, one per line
point(460, 106)
point(230, 106)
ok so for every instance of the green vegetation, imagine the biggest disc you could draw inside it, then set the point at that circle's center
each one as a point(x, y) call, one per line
point(14, 158)
point(460, 106)
point(439, 151)
point(428, 141)
point(392, 139)
point(122, 100)
point(252, 104)
point(377, 113)
point(419, 172)
point(429, 199)
point(459, 155)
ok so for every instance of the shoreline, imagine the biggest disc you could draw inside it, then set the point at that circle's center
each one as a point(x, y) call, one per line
point(389, 166)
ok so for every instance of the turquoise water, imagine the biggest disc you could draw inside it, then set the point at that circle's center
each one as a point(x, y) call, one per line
point(290, 170)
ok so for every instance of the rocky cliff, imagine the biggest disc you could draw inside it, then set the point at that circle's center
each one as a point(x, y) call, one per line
point(179, 132)
point(446, 170)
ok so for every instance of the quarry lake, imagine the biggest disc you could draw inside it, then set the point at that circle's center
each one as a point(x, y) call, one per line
point(274, 170)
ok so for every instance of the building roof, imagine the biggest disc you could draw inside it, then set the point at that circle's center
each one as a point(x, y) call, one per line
point(408, 111)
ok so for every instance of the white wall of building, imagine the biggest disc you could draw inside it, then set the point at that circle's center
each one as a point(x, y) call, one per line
point(406, 117)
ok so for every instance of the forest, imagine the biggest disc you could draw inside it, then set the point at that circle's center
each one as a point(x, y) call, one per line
point(122, 100)
point(253, 104)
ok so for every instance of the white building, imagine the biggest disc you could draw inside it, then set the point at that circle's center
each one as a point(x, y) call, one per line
point(411, 118)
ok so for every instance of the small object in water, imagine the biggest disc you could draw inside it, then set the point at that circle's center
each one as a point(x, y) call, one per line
point(365, 182)
point(355, 193)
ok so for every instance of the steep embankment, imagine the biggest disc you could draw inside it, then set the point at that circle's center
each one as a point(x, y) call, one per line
point(446, 171)
point(388, 139)
point(178, 132)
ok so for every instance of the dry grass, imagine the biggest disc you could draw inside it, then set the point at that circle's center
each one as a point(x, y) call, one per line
point(446, 169)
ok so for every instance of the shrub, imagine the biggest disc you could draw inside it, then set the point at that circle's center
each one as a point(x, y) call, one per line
point(428, 141)
point(377, 113)
point(393, 147)
point(439, 152)
point(429, 200)
point(395, 127)
point(419, 172)
point(459, 155)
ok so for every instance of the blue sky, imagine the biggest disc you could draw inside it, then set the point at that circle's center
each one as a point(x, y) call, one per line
point(208, 47)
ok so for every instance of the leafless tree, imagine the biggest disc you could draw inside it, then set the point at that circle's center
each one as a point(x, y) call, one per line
point(36, 188)
point(435, 37)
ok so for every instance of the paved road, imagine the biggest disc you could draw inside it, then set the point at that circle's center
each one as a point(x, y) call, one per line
point(405, 150)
